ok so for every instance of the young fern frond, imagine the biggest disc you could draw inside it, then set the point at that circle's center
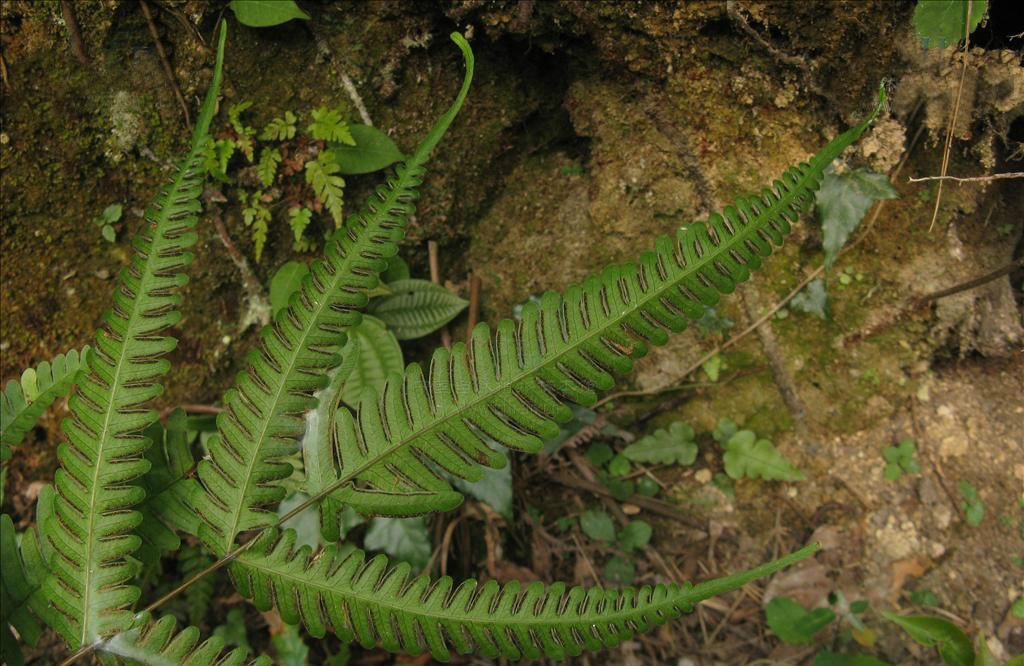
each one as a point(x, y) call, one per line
point(22, 402)
point(157, 643)
point(90, 590)
point(513, 388)
point(263, 417)
point(370, 601)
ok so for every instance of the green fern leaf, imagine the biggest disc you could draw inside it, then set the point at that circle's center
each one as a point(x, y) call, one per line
point(91, 588)
point(327, 125)
point(23, 402)
point(156, 643)
point(514, 388)
point(665, 447)
point(328, 187)
point(370, 602)
point(298, 219)
point(267, 167)
point(257, 217)
point(262, 421)
point(280, 129)
point(415, 308)
point(748, 456)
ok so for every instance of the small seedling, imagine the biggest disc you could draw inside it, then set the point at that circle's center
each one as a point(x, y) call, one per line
point(748, 456)
point(974, 508)
point(793, 623)
point(899, 460)
point(111, 216)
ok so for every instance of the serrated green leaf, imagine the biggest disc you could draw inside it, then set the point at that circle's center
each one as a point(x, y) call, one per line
point(812, 299)
point(327, 125)
point(416, 308)
point(673, 445)
point(267, 167)
point(379, 356)
point(843, 200)
point(597, 525)
point(298, 219)
point(280, 129)
point(747, 456)
point(235, 112)
point(405, 539)
point(266, 13)
point(952, 643)
point(793, 623)
point(373, 151)
point(940, 23)
point(635, 535)
point(329, 188)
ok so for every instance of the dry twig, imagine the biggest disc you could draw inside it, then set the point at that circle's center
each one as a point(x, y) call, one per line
point(165, 62)
point(970, 179)
point(77, 44)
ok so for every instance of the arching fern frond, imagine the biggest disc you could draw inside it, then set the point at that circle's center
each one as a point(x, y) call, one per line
point(370, 601)
point(263, 417)
point(513, 388)
point(156, 643)
point(90, 590)
point(23, 402)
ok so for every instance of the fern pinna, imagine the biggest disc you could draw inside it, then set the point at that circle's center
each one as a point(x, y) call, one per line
point(393, 456)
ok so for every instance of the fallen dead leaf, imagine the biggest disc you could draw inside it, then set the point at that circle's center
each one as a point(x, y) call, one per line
point(903, 569)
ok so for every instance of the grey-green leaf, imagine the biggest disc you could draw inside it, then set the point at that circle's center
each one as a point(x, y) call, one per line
point(266, 13)
point(636, 534)
point(415, 308)
point(674, 445)
point(747, 456)
point(597, 525)
point(843, 200)
point(373, 151)
point(405, 539)
point(812, 299)
point(379, 356)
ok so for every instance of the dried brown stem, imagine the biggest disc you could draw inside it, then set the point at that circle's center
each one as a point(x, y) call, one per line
point(970, 179)
point(165, 62)
point(435, 277)
point(77, 44)
point(474, 304)
point(649, 503)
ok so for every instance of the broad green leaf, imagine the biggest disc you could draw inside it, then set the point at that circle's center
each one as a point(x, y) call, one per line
point(599, 454)
point(405, 539)
point(636, 534)
point(619, 571)
point(286, 281)
point(597, 525)
point(747, 456)
point(373, 151)
point(674, 445)
point(647, 487)
point(397, 270)
point(793, 623)
point(812, 299)
point(828, 658)
point(112, 213)
point(416, 308)
point(266, 13)
point(940, 23)
point(952, 643)
point(379, 356)
point(843, 200)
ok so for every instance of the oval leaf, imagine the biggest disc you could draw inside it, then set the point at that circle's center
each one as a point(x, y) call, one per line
point(416, 307)
point(597, 525)
point(373, 151)
point(952, 643)
point(266, 13)
point(379, 356)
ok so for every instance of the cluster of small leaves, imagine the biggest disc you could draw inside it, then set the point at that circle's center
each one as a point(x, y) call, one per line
point(900, 460)
point(110, 216)
point(973, 507)
point(748, 456)
point(635, 535)
point(272, 156)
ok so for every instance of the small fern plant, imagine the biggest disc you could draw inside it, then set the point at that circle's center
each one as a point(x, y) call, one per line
point(118, 496)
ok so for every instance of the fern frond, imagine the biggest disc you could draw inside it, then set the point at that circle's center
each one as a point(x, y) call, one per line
point(156, 643)
point(369, 601)
point(329, 187)
point(90, 588)
point(280, 129)
point(263, 420)
point(267, 168)
point(327, 125)
point(514, 388)
point(23, 402)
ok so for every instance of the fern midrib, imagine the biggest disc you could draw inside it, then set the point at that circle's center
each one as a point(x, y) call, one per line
point(122, 363)
point(597, 332)
point(364, 242)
